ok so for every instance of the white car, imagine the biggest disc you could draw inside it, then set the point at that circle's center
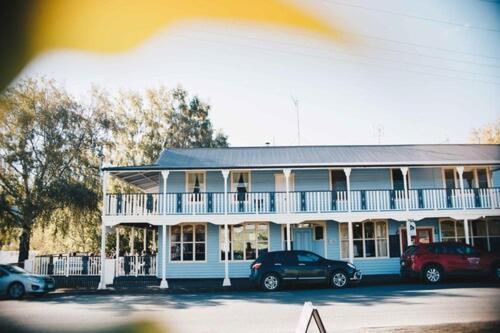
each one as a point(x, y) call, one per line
point(15, 282)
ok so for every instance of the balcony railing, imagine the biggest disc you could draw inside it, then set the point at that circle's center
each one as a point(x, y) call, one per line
point(299, 202)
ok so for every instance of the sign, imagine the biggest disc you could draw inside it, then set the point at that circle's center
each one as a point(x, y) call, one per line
point(309, 312)
point(412, 228)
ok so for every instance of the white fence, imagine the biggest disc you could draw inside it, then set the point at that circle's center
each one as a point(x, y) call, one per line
point(85, 265)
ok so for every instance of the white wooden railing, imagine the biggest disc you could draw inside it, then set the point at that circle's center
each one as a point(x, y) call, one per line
point(299, 201)
point(65, 265)
point(80, 265)
point(136, 266)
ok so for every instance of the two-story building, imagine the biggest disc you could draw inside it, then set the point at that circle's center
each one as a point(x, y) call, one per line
point(217, 209)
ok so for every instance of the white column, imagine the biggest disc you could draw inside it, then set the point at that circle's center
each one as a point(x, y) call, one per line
point(286, 173)
point(466, 231)
point(460, 170)
point(144, 246)
point(408, 235)
point(227, 281)
point(117, 263)
point(132, 241)
point(102, 283)
point(154, 240)
point(164, 283)
point(164, 175)
point(347, 172)
point(404, 171)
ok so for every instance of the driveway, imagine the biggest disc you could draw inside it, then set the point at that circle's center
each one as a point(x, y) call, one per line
point(349, 310)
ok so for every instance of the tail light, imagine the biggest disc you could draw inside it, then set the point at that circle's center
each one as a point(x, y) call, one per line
point(256, 265)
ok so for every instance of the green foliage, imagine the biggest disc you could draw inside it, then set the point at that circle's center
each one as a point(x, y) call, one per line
point(50, 147)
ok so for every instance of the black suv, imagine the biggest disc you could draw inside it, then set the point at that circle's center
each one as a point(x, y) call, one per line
point(272, 269)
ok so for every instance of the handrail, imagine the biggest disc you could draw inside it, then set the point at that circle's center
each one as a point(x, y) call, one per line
point(307, 201)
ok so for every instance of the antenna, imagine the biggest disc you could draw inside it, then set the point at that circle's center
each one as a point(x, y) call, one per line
point(296, 103)
point(379, 133)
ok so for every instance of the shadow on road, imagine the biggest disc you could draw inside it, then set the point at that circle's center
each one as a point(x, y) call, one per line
point(123, 303)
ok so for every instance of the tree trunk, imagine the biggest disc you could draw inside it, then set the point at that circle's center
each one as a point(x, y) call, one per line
point(24, 244)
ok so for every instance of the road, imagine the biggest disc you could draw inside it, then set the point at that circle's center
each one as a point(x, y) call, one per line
point(349, 310)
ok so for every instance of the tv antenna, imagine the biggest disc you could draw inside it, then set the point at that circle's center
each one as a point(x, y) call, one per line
point(379, 133)
point(296, 103)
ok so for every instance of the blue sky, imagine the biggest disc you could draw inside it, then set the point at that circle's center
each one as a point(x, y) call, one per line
point(423, 71)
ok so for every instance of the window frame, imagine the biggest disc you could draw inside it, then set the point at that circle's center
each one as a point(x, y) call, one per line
point(194, 242)
point(231, 238)
point(233, 188)
point(203, 189)
point(363, 239)
point(475, 180)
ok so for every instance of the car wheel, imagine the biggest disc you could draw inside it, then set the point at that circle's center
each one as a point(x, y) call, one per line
point(432, 274)
point(339, 279)
point(270, 282)
point(16, 290)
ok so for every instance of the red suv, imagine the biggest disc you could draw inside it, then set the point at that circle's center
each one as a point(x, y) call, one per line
point(432, 262)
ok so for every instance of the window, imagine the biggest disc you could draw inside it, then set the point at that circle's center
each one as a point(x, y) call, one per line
point(246, 241)
point(484, 233)
point(370, 239)
point(468, 177)
point(398, 179)
point(307, 257)
point(452, 231)
point(285, 257)
point(195, 184)
point(449, 178)
point(318, 232)
point(240, 184)
point(188, 242)
point(339, 181)
point(482, 178)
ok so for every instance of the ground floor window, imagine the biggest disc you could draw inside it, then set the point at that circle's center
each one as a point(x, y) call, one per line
point(370, 238)
point(484, 233)
point(188, 242)
point(452, 231)
point(246, 241)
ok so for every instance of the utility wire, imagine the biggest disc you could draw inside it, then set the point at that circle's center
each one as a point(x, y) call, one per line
point(415, 17)
point(345, 60)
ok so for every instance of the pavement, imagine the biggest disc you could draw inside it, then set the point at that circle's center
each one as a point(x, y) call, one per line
point(457, 307)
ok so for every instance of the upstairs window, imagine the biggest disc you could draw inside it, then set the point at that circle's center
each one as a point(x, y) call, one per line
point(473, 178)
point(398, 179)
point(468, 177)
point(339, 180)
point(240, 184)
point(195, 183)
point(449, 179)
point(482, 178)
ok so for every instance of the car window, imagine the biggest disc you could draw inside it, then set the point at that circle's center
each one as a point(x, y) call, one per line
point(409, 251)
point(14, 270)
point(2, 273)
point(307, 257)
point(286, 258)
point(470, 250)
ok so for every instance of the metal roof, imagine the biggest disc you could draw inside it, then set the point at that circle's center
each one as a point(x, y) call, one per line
point(147, 178)
point(318, 156)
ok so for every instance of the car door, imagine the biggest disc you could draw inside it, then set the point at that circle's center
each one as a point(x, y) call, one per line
point(472, 258)
point(311, 267)
point(285, 263)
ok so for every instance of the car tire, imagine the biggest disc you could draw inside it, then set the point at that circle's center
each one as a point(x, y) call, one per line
point(432, 274)
point(339, 279)
point(270, 282)
point(16, 290)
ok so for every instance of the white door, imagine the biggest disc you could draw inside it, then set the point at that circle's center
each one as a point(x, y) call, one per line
point(280, 188)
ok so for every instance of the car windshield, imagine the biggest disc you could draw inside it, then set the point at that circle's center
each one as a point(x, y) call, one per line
point(14, 270)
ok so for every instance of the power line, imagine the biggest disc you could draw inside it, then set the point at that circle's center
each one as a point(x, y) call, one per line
point(378, 58)
point(415, 17)
point(349, 61)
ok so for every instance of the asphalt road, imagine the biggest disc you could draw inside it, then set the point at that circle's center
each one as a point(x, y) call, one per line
point(349, 310)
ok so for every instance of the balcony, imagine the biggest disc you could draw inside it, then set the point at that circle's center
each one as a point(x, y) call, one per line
point(214, 203)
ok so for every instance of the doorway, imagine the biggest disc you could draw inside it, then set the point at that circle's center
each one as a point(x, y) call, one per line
point(424, 235)
point(302, 239)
